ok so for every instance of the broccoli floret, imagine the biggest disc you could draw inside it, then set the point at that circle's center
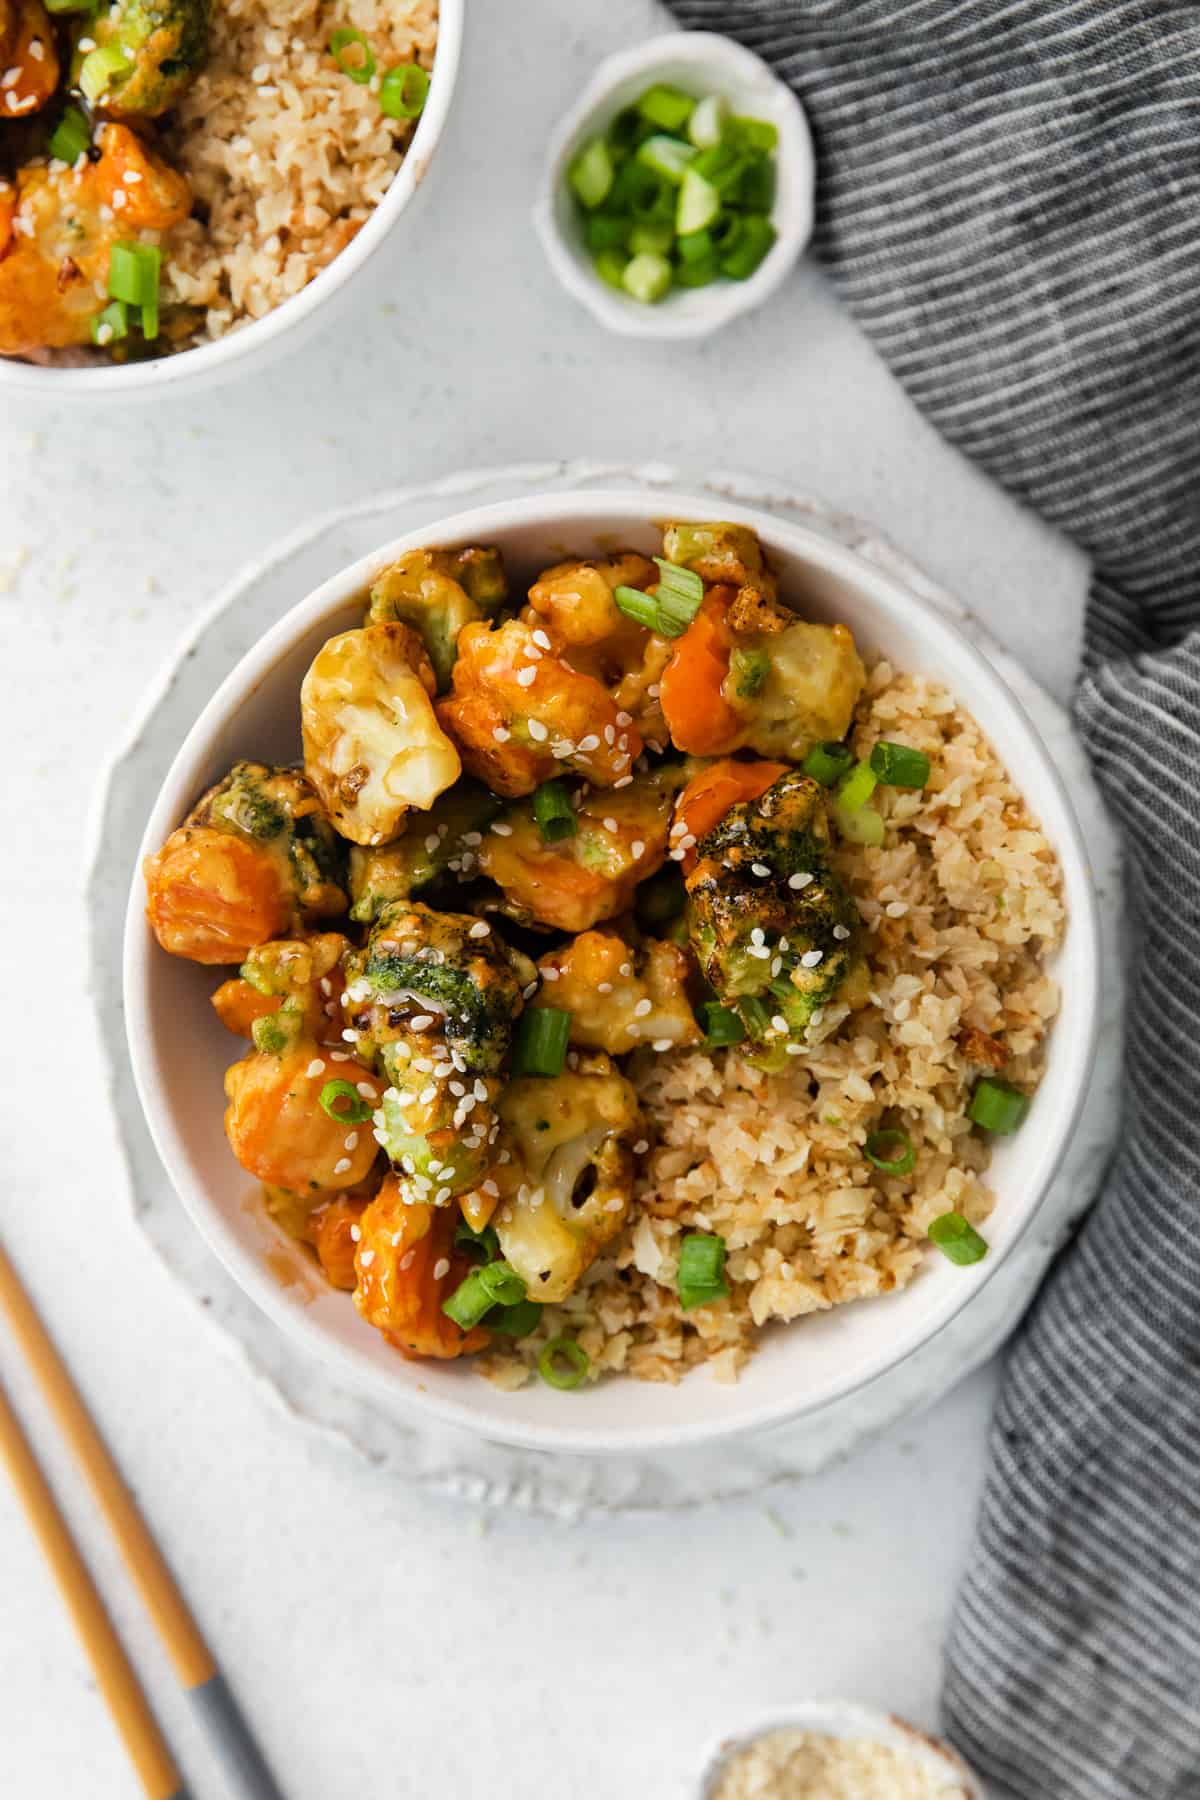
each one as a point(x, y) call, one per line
point(775, 932)
point(165, 45)
point(277, 809)
point(432, 843)
point(437, 592)
point(437, 995)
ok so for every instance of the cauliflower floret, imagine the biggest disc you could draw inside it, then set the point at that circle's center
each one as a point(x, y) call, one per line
point(573, 604)
point(438, 592)
point(572, 1134)
point(619, 995)
point(372, 745)
point(813, 676)
point(520, 715)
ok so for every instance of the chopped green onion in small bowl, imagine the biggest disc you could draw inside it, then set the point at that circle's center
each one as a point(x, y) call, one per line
point(679, 191)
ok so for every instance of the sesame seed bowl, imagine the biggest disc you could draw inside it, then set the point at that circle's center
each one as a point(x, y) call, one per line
point(179, 1051)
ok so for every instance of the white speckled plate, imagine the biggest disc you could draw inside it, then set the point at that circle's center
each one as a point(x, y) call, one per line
point(441, 1457)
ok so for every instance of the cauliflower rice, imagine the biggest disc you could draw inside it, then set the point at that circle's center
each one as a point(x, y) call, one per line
point(808, 1765)
point(285, 154)
point(961, 905)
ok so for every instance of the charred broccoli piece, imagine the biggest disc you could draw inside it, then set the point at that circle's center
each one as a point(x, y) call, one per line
point(436, 995)
point(443, 840)
point(437, 592)
point(774, 931)
point(164, 45)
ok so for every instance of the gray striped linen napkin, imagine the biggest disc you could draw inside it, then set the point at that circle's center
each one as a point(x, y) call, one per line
point(1009, 202)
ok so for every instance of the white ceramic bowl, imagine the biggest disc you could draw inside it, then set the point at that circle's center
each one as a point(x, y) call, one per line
point(701, 62)
point(285, 326)
point(179, 1051)
point(846, 1719)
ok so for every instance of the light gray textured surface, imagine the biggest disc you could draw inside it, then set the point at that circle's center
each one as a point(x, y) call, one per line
point(376, 1633)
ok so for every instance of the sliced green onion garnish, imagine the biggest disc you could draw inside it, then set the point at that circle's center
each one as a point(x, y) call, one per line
point(502, 1283)
point(697, 246)
point(679, 597)
point(554, 813)
point(484, 1242)
point(637, 605)
point(699, 203)
point(718, 164)
point(133, 273)
point(856, 788)
point(404, 91)
point(697, 274)
point(666, 156)
point(662, 898)
point(701, 1275)
point(627, 129)
point(756, 1015)
point(755, 239)
point(610, 266)
point(862, 827)
point(756, 186)
point(651, 237)
point(111, 325)
point(343, 1102)
point(957, 1239)
point(898, 766)
point(647, 277)
point(722, 1026)
point(749, 670)
point(515, 1321)
point(752, 134)
point(71, 136)
point(997, 1106)
point(667, 107)
point(605, 231)
point(563, 1364)
point(71, 6)
point(591, 173)
point(827, 763)
point(98, 68)
point(540, 1043)
point(891, 1152)
point(361, 68)
point(469, 1301)
point(707, 122)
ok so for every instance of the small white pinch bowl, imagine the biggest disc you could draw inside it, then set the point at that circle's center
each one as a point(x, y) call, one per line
point(700, 62)
point(847, 1719)
point(285, 327)
point(179, 1051)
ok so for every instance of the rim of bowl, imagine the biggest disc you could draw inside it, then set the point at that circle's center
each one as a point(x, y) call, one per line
point(262, 337)
point(836, 1718)
point(178, 792)
point(713, 306)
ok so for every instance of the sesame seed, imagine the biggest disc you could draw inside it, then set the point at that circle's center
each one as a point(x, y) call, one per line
point(527, 993)
point(641, 1147)
point(443, 1194)
point(355, 1234)
point(762, 951)
point(550, 974)
point(36, 51)
point(641, 1009)
point(326, 985)
point(811, 958)
point(759, 869)
point(539, 637)
point(609, 824)
point(756, 936)
point(500, 734)
point(610, 734)
point(526, 677)
point(626, 969)
point(441, 1268)
point(604, 987)
point(339, 1055)
point(537, 731)
point(490, 1188)
point(406, 1261)
point(342, 1165)
point(432, 842)
point(661, 1044)
point(624, 781)
point(637, 848)
point(480, 930)
point(350, 1037)
point(794, 1049)
point(428, 1095)
point(624, 718)
point(590, 742)
point(776, 965)
point(799, 881)
point(533, 654)
point(841, 933)
point(422, 1022)
point(367, 1258)
point(351, 1140)
point(500, 828)
point(472, 838)
point(131, 177)
point(896, 909)
point(779, 1022)
point(480, 1090)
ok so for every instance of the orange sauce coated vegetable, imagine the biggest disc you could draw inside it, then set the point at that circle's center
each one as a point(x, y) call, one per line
point(213, 896)
point(699, 717)
point(407, 1266)
point(708, 797)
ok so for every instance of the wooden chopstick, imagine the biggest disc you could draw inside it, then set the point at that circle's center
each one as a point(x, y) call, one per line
point(195, 1667)
point(114, 1673)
